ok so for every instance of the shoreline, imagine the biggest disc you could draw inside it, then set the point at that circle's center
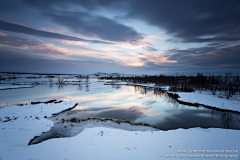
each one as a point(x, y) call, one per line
point(181, 97)
point(104, 141)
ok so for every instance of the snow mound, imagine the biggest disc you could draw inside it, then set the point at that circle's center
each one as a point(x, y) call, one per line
point(19, 124)
point(14, 87)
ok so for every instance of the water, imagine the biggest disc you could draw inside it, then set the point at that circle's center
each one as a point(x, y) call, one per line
point(136, 104)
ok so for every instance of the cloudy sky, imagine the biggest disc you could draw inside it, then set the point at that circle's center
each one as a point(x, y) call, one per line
point(125, 36)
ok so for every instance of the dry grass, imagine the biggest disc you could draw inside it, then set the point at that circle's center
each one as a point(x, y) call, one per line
point(119, 121)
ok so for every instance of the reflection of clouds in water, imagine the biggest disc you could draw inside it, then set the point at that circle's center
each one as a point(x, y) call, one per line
point(96, 109)
point(153, 114)
point(128, 111)
point(8, 104)
point(87, 88)
point(197, 118)
point(126, 93)
point(131, 114)
point(149, 103)
point(85, 109)
point(80, 107)
point(185, 119)
point(80, 88)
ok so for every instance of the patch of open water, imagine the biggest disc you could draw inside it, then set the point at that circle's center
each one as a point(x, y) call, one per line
point(134, 103)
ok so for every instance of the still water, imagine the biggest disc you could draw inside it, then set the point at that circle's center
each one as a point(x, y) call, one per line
point(137, 104)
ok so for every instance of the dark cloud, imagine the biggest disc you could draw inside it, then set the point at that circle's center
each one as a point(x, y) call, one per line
point(192, 21)
point(214, 21)
point(35, 46)
point(21, 60)
point(151, 49)
point(189, 21)
point(84, 22)
point(219, 59)
point(214, 58)
point(11, 27)
point(95, 26)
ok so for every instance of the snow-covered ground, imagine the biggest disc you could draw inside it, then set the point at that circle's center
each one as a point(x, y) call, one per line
point(208, 99)
point(19, 124)
point(14, 87)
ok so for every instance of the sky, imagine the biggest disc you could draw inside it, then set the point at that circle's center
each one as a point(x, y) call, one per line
point(124, 36)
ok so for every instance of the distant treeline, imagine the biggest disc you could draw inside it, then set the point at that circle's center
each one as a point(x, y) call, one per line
point(226, 85)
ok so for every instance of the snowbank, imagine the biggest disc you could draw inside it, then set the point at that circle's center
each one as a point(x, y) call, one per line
point(14, 87)
point(109, 143)
point(19, 124)
point(208, 99)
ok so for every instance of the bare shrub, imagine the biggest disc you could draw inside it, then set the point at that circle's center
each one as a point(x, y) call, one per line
point(79, 78)
point(60, 80)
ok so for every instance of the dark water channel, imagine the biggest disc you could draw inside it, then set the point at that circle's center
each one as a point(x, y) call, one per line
point(137, 104)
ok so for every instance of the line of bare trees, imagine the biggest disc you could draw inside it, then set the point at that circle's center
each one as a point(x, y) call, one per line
point(80, 78)
point(225, 85)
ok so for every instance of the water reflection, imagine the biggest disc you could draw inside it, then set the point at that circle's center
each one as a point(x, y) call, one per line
point(159, 110)
point(87, 88)
point(116, 86)
point(60, 87)
point(229, 120)
point(50, 85)
point(80, 88)
point(134, 103)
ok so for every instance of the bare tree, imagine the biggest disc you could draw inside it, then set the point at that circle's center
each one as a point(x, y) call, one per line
point(50, 80)
point(79, 78)
point(60, 80)
point(87, 78)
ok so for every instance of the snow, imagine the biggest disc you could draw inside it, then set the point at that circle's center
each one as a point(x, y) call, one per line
point(109, 143)
point(104, 142)
point(208, 99)
point(14, 87)
point(25, 122)
point(22, 123)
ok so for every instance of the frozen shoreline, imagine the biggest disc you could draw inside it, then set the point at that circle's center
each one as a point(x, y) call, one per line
point(22, 123)
point(197, 97)
point(208, 99)
point(15, 87)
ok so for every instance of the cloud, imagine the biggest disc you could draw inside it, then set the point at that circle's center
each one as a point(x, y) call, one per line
point(187, 21)
point(73, 43)
point(191, 21)
point(208, 58)
point(11, 27)
point(84, 17)
point(24, 61)
point(3, 34)
point(151, 49)
point(35, 46)
point(94, 26)
point(60, 31)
